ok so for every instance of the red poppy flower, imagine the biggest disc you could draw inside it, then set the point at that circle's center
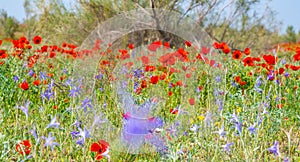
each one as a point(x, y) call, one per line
point(295, 68)
point(270, 59)
point(188, 75)
point(181, 54)
point(36, 82)
point(163, 76)
point(174, 111)
point(52, 54)
point(247, 51)
point(237, 79)
point(226, 49)
point(179, 83)
point(145, 60)
point(170, 93)
point(0, 42)
point(205, 50)
point(44, 48)
point(37, 40)
point(153, 46)
point(131, 46)
point(22, 40)
point(236, 54)
point(217, 45)
point(297, 57)
point(167, 59)
point(24, 147)
point(101, 148)
point(192, 101)
point(24, 85)
point(154, 79)
point(144, 84)
point(248, 61)
point(281, 70)
point(242, 83)
point(150, 68)
point(188, 43)
point(279, 106)
point(3, 54)
point(167, 45)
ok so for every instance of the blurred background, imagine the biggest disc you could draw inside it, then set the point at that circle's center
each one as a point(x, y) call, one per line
point(258, 24)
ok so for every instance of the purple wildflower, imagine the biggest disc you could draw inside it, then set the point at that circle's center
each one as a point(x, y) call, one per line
point(252, 129)
point(218, 79)
point(84, 134)
point(208, 118)
point(74, 134)
point(194, 128)
point(48, 94)
point(286, 159)
point(104, 105)
point(99, 76)
point(31, 73)
point(286, 74)
point(86, 103)
point(173, 129)
point(50, 141)
point(77, 123)
point(15, 78)
point(138, 73)
point(221, 132)
point(271, 77)
point(65, 71)
point(238, 125)
point(34, 133)
point(75, 91)
point(219, 102)
point(234, 84)
point(43, 76)
point(24, 108)
point(227, 146)
point(53, 123)
point(274, 149)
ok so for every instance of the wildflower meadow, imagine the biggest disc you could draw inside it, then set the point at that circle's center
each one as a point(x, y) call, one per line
point(113, 97)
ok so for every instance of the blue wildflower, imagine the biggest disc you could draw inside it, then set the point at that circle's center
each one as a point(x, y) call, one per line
point(86, 103)
point(50, 141)
point(31, 73)
point(218, 79)
point(275, 149)
point(43, 76)
point(227, 146)
point(75, 91)
point(221, 132)
point(252, 129)
point(84, 134)
point(99, 76)
point(286, 74)
point(24, 108)
point(53, 123)
point(34, 133)
point(238, 125)
point(15, 78)
point(74, 134)
point(77, 123)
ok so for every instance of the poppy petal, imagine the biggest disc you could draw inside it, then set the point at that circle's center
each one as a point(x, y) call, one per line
point(95, 147)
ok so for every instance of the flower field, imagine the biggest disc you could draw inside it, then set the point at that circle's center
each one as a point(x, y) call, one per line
point(150, 103)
